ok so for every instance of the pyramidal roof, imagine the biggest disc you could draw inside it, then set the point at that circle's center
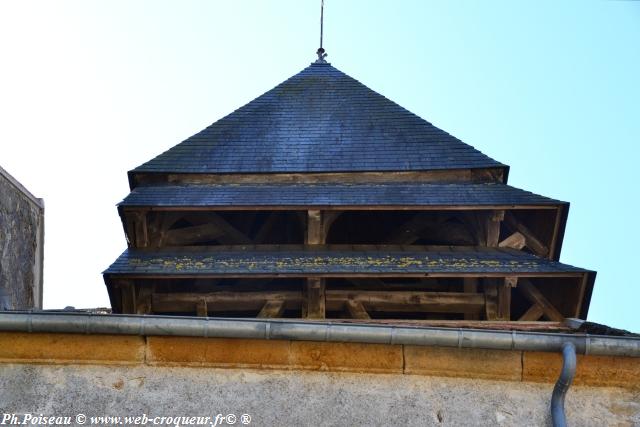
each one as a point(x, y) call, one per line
point(319, 120)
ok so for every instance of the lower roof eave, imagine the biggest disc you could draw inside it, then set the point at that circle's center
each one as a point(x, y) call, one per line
point(342, 275)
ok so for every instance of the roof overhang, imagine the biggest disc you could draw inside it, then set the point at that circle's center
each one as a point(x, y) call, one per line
point(335, 261)
point(399, 195)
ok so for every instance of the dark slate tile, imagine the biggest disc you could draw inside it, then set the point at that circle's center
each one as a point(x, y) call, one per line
point(336, 260)
point(388, 194)
point(319, 120)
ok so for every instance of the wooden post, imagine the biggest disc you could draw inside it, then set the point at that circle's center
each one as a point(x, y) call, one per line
point(202, 309)
point(504, 297)
point(471, 287)
point(493, 228)
point(141, 232)
point(128, 296)
point(498, 299)
point(314, 228)
point(491, 299)
point(314, 298)
point(143, 300)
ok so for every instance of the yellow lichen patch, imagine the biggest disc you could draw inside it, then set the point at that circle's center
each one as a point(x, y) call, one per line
point(407, 262)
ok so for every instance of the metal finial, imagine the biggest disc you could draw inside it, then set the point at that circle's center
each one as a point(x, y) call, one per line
point(320, 52)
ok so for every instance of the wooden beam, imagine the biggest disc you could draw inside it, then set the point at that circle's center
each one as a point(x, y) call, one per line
point(374, 282)
point(166, 220)
point(315, 235)
point(410, 231)
point(141, 232)
point(535, 296)
point(272, 309)
point(421, 284)
point(408, 301)
point(318, 225)
point(491, 299)
point(504, 297)
point(583, 287)
point(201, 308)
point(154, 223)
point(514, 241)
point(129, 228)
point(556, 233)
point(266, 227)
point(493, 228)
point(533, 326)
point(458, 175)
point(230, 234)
point(356, 309)
point(328, 218)
point(470, 286)
point(223, 301)
point(333, 300)
point(127, 296)
point(534, 313)
point(314, 299)
point(143, 300)
point(194, 234)
point(531, 241)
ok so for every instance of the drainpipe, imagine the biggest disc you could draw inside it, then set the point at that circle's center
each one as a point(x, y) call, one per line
point(558, 417)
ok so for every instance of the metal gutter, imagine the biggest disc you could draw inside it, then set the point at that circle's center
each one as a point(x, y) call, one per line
point(87, 323)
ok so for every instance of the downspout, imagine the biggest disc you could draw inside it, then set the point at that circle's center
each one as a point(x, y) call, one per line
point(558, 417)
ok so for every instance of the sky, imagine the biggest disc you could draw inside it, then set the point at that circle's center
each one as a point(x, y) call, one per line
point(91, 89)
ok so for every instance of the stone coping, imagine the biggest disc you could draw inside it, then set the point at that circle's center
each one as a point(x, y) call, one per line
point(69, 349)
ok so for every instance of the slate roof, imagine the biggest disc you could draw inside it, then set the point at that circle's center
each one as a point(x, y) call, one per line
point(380, 194)
point(298, 261)
point(319, 120)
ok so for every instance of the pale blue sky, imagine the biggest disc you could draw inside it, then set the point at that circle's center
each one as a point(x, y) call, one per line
point(91, 89)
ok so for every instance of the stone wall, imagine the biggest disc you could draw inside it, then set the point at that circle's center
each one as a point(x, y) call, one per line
point(300, 398)
point(302, 383)
point(21, 246)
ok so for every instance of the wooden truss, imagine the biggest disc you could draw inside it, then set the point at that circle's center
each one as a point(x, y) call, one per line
point(468, 297)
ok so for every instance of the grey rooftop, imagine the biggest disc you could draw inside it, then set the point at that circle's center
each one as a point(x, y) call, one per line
point(297, 194)
point(301, 261)
point(319, 120)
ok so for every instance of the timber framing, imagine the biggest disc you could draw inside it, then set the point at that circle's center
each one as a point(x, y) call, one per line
point(369, 214)
point(500, 174)
point(337, 281)
point(492, 226)
point(491, 301)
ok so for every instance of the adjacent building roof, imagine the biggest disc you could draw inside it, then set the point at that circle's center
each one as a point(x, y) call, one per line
point(319, 120)
point(287, 195)
point(333, 260)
